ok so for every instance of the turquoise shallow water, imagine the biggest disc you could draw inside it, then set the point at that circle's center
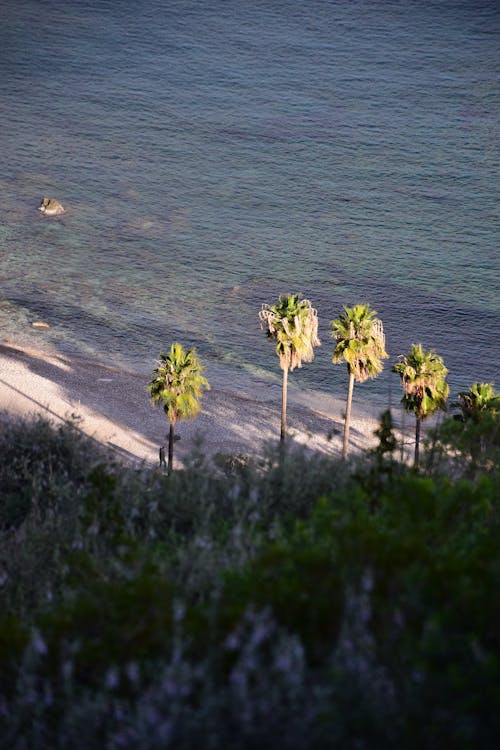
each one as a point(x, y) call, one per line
point(214, 155)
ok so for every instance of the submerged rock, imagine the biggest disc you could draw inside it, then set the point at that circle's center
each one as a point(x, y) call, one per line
point(51, 207)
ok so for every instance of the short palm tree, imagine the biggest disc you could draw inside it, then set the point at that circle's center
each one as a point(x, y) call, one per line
point(178, 383)
point(423, 376)
point(478, 435)
point(479, 399)
point(361, 345)
point(293, 324)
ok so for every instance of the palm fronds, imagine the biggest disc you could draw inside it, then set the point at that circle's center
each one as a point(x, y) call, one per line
point(293, 324)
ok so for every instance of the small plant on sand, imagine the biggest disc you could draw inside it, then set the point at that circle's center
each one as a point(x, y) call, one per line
point(179, 384)
point(293, 324)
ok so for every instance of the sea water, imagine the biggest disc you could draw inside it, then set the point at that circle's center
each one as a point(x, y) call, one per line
point(214, 155)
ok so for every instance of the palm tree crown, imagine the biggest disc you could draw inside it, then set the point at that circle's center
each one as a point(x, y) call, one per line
point(480, 398)
point(178, 382)
point(293, 323)
point(423, 376)
point(360, 341)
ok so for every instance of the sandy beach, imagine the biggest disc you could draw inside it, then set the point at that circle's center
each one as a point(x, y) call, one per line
point(112, 406)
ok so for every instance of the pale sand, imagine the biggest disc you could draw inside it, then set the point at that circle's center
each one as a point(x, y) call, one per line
point(113, 407)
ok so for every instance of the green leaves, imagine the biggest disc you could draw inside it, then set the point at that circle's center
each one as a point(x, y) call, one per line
point(480, 398)
point(341, 603)
point(360, 341)
point(361, 344)
point(293, 324)
point(469, 442)
point(178, 383)
point(423, 376)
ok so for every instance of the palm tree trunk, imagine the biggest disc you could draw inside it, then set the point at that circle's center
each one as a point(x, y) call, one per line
point(347, 422)
point(417, 442)
point(171, 448)
point(283, 404)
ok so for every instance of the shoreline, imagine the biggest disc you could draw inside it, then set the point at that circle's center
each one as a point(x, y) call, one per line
point(111, 405)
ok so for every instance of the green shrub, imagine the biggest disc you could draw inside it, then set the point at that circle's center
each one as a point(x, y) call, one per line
point(42, 468)
point(288, 601)
point(469, 447)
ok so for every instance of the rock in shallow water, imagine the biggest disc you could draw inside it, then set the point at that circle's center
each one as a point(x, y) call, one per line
point(51, 207)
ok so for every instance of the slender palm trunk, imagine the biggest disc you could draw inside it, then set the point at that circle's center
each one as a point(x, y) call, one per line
point(417, 442)
point(347, 422)
point(171, 448)
point(283, 404)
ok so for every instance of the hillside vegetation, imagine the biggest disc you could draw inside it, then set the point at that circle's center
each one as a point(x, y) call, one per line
point(294, 602)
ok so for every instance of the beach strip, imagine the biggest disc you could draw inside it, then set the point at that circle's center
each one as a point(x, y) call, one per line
point(112, 406)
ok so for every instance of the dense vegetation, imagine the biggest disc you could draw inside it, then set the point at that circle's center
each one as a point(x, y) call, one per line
point(295, 601)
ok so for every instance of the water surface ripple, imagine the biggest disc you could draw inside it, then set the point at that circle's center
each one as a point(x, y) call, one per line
point(213, 155)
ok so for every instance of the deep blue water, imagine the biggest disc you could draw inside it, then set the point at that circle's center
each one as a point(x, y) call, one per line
point(212, 155)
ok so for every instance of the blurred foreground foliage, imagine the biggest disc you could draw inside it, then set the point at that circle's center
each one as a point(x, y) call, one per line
point(292, 600)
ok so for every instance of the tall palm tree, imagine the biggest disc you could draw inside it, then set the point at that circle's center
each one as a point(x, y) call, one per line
point(423, 376)
point(480, 398)
point(293, 324)
point(178, 383)
point(361, 345)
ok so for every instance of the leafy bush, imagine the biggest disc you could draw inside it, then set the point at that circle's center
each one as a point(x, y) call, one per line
point(466, 448)
point(288, 601)
point(41, 468)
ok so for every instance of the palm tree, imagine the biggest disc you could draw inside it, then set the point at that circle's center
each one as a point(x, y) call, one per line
point(478, 436)
point(361, 345)
point(423, 376)
point(293, 324)
point(480, 398)
point(178, 383)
